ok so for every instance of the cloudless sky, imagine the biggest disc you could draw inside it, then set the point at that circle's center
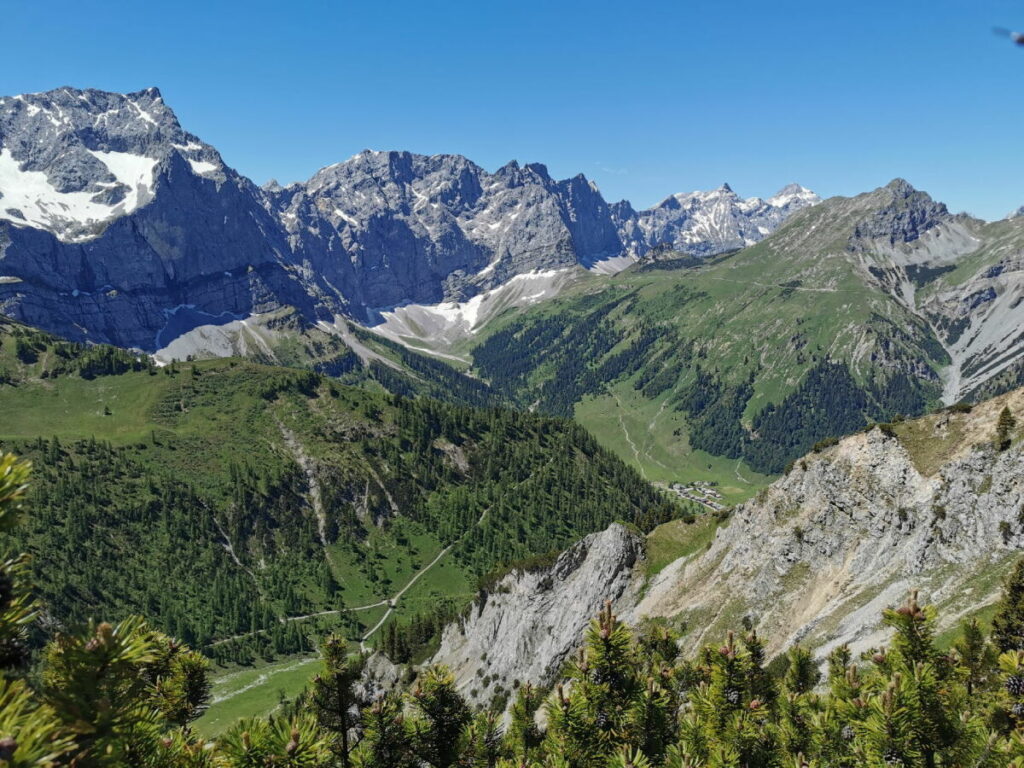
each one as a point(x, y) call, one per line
point(645, 98)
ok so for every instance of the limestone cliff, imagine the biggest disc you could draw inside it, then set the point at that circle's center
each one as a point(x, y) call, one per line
point(929, 504)
point(531, 621)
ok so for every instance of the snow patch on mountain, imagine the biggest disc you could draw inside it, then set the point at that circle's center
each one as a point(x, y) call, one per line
point(612, 265)
point(28, 198)
point(440, 325)
point(202, 167)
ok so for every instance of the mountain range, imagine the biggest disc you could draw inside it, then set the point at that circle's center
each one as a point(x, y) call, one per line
point(118, 226)
point(693, 338)
point(855, 310)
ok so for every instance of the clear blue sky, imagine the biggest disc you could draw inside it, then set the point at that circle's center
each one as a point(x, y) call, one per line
point(645, 98)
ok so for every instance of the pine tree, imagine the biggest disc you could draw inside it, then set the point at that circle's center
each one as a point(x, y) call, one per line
point(31, 732)
point(483, 745)
point(96, 682)
point(17, 608)
point(284, 743)
point(797, 705)
point(922, 691)
point(571, 730)
point(179, 680)
point(524, 737)
point(332, 698)
point(1008, 623)
point(977, 657)
point(387, 737)
point(442, 714)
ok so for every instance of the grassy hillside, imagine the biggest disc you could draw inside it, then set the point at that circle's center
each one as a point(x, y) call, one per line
point(727, 370)
point(248, 508)
point(732, 361)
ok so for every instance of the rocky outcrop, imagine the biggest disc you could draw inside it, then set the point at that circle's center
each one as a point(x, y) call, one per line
point(529, 622)
point(380, 676)
point(818, 555)
point(118, 226)
point(905, 216)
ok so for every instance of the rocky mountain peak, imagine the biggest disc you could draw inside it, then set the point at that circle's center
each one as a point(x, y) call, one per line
point(901, 187)
point(902, 215)
point(539, 170)
point(793, 196)
point(707, 223)
point(72, 161)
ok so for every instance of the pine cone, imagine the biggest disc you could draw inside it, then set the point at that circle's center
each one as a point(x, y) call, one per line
point(1015, 685)
point(1018, 710)
point(732, 695)
point(7, 749)
point(847, 733)
point(892, 757)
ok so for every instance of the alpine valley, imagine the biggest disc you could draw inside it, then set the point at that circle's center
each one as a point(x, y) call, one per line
point(443, 414)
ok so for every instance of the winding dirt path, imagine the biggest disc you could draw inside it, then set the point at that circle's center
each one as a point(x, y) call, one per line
point(390, 602)
point(625, 431)
point(394, 600)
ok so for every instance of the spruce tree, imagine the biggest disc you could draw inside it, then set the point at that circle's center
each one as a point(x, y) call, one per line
point(1004, 428)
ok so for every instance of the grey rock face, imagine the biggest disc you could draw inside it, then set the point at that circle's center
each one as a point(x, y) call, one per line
point(379, 677)
point(814, 559)
point(118, 226)
point(909, 214)
point(73, 161)
point(181, 239)
point(530, 622)
point(391, 227)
